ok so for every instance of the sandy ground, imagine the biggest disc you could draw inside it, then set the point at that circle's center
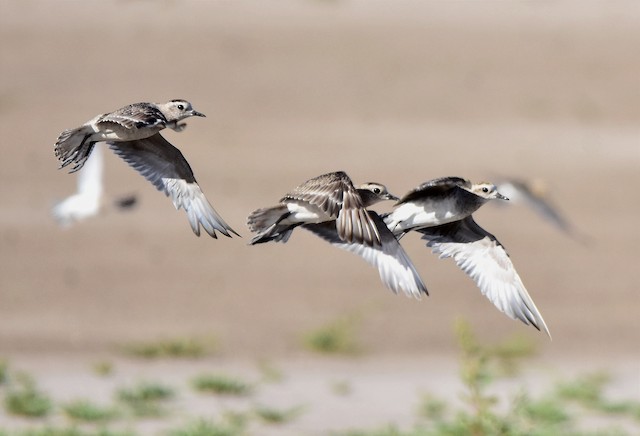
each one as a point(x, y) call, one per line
point(396, 92)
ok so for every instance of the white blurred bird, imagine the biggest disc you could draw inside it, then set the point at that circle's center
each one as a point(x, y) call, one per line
point(441, 210)
point(88, 199)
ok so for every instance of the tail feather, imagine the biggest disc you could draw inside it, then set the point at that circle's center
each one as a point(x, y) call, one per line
point(266, 223)
point(73, 147)
point(282, 234)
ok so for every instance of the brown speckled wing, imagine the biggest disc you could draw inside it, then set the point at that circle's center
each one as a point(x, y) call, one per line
point(335, 194)
point(134, 116)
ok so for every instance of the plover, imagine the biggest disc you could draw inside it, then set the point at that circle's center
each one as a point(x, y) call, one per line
point(441, 210)
point(132, 132)
point(331, 207)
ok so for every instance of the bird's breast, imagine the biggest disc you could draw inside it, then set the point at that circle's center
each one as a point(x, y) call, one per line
point(425, 213)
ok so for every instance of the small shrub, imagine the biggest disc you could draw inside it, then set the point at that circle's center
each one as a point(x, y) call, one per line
point(146, 398)
point(84, 410)
point(228, 426)
point(103, 368)
point(432, 408)
point(277, 416)
point(24, 399)
point(4, 368)
point(586, 389)
point(337, 337)
point(171, 348)
point(221, 384)
point(71, 431)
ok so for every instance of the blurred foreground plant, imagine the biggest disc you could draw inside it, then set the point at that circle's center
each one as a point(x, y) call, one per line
point(231, 424)
point(221, 384)
point(190, 348)
point(336, 337)
point(552, 414)
point(24, 398)
point(146, 399)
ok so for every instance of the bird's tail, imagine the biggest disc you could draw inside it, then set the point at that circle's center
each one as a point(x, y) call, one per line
point(73, 147)
point(266, 223)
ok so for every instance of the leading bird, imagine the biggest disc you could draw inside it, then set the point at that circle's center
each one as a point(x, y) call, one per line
point(441, 210)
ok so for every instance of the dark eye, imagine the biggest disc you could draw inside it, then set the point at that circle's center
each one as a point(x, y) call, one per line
point(376, 190)
point(181, 107)
point(485, 189)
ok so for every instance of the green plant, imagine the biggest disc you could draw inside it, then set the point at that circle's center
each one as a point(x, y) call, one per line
point(277, 416)
point(221, 384)
point(172, 348)
point(25, 399)
point(432, 408)
point(146, 398)
point(337, 337)
point(84, 410)
point(4, 368)
point(71, 431)
point(103, 368)
point(229, 425)
point(586, 389)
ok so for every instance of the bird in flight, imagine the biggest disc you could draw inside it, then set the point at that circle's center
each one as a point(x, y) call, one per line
point(441, 210)
point(133, 133)
point(331, 207)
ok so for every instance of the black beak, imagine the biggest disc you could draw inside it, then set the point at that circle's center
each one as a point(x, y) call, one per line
point(501, 197)
point(391, 197)
point(197, 114)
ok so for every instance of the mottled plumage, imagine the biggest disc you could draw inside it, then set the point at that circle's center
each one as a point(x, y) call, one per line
point(327, 197)
point(333, 209)
point(135, 121)
point(132, 132)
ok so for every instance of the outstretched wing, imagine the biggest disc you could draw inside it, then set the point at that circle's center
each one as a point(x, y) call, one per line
point(165, 166)
point(479, 254)
point(396, 270)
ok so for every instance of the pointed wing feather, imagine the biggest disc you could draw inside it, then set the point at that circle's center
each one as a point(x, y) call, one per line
point(481, 256)
point(354, 224)
point(167, 169)
point(335, 195)
point(325, 191)
point(396, 270)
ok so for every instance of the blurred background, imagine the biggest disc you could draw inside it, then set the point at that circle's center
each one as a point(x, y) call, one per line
point(394, 92)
